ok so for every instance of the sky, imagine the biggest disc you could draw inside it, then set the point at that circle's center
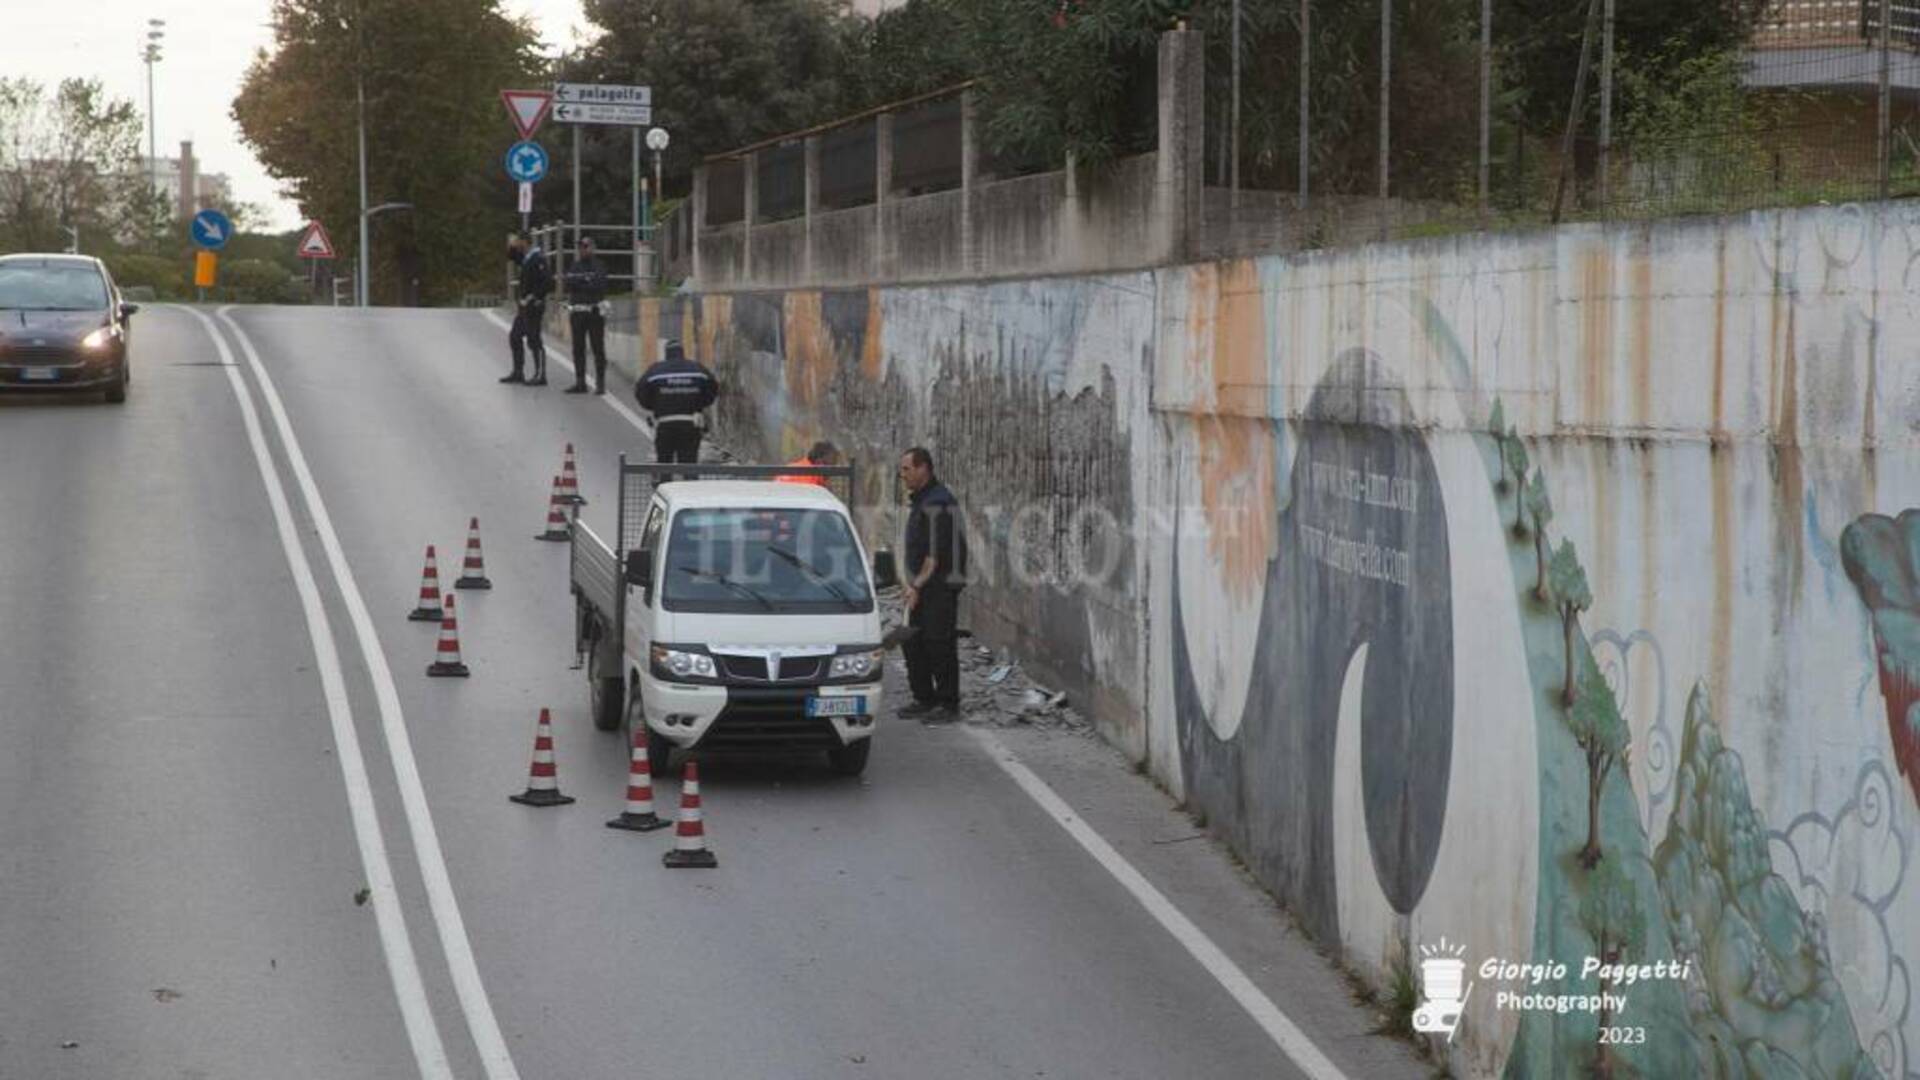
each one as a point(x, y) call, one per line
point(205, 53)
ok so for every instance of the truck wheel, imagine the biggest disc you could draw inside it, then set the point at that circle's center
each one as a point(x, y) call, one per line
point(851, 760)
point(606, 697)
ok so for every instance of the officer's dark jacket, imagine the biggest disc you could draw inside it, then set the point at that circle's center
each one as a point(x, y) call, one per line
point(934, 527)
point(536, 275)
point(676, 386)
point(586, 281)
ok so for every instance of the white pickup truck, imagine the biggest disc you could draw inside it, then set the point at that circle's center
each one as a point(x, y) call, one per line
point(732, 610)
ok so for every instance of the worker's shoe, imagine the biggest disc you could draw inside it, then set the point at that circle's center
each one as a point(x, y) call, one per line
point(918, 708)
point(577, 388)
point(516, 377)
point(600, 389)
point(537, 380)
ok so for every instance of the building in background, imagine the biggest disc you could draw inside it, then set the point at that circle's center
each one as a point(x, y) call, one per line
point(180, 181)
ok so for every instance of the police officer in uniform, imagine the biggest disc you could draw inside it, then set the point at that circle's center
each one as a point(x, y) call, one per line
point(676, 390)
point(536, 281)
point(586, 282)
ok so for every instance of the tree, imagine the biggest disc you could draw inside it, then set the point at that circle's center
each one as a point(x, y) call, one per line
point(432, 72)
point(1611, 915)
point(1571, 594)
point(69, 159)
point(1516, 454)
point(1497, 423)
point(1602, 735)
point(1540, 509)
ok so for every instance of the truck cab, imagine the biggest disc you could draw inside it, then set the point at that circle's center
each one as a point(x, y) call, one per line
point(745, 617)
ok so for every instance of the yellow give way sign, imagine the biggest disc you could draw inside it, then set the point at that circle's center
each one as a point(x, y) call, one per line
point(204, 265)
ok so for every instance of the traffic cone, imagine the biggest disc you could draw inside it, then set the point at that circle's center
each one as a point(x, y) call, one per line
point(639, 815)
point(690, 837)
point(543, 781)
point(447, 659)
point(428, 609)
point(558, 527)
point(474, 574)
point(570, 481)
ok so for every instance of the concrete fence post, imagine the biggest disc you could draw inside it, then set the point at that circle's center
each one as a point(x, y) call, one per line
point(882, 191)
point(969, 178)
point(699, 214)
point(749, 211)
point(1179, 161)
point(810, 168)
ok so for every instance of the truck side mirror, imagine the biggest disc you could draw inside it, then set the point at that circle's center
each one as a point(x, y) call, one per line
point(640, 567)
point(884, 574)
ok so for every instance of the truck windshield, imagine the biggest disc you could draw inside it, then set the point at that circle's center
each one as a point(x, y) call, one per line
point(763, 560)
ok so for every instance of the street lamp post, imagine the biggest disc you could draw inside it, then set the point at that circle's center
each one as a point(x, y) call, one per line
point(366, 216)
point(657, 142)
point(155, 32)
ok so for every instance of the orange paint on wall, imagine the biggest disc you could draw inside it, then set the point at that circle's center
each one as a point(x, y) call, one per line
point(810, 358)
point(1236, 493)
point(649, 333)
point(1203, 308)
point(715, 312)
point(872, 354)
point(1240, 376)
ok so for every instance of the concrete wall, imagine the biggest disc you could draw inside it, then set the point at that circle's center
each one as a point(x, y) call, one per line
point(1252, 516)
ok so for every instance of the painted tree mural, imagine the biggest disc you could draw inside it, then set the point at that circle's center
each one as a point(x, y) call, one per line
point(1497, 423)
point(1611, 915)
point(1540, 509)
point(1568, 580)
point(1602, 735)
point(1516, 455)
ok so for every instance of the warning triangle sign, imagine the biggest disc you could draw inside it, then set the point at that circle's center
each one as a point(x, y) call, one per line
point(528, 109)
point(314, 243)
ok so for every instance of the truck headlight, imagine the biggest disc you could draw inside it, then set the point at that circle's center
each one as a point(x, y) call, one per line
point(854, 665)
point(98, 339)
point(681, 666)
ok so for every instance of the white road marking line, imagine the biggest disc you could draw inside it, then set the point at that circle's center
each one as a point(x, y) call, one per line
point(612, 402)
point(1285, 1034)
point(481, 1023)
point(402, 966)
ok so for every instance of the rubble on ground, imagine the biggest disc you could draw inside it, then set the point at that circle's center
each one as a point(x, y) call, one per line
point(995, 690)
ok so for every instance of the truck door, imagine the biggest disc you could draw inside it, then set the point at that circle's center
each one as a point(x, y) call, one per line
point(643, 604)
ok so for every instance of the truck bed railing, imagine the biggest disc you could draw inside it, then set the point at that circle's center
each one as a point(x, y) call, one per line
point(637, 481)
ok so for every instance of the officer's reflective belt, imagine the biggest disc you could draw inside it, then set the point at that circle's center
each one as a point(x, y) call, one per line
point(677, 418)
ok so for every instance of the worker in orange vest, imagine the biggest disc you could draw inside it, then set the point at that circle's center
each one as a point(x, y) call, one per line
point(821, 453)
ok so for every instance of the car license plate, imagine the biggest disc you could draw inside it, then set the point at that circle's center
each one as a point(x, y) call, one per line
point(39, 374)
point(852, 705)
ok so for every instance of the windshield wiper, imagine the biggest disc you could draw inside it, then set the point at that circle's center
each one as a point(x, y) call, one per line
point(723, 579)
point(839, 592)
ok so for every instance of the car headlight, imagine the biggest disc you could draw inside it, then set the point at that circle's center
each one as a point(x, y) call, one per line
point(854, 665)
point(681, 666)
point(98, 339)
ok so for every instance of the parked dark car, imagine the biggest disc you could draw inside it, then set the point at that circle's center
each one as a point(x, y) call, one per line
point(63, 325)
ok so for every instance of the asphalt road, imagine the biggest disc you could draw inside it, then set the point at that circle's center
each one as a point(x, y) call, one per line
point(218, 861)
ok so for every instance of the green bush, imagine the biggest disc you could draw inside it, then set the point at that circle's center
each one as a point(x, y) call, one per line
point(254, 281)
point(167, 278)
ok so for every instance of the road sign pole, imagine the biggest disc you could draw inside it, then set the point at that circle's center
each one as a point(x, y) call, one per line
point(576, 189)
point(636, 209)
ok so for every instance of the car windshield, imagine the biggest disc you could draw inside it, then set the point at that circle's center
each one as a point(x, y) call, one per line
point(778, 560)
point(52, 288)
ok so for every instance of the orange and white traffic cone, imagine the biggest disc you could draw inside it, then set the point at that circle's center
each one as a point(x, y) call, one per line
point(690, 837)
point(639, 815)
point(558, 526)
point(428, 609)
point(473, 575)
point(570, 481)
point(447, 660)
point(543, 780)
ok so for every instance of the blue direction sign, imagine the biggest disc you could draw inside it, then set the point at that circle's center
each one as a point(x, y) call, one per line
point(526, 162)
point(211, 229)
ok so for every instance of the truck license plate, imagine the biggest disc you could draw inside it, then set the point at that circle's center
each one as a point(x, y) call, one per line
point(837, 706)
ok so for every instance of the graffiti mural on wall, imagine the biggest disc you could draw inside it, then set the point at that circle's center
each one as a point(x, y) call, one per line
point(1364, 522)
point(1882, 556)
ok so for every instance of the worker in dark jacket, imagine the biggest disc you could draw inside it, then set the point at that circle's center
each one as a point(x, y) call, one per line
point(536, 281)
point(936, 553)
point(676, 391)
point(586, 282)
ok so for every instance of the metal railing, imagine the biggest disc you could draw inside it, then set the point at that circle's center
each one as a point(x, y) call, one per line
point(636, 265)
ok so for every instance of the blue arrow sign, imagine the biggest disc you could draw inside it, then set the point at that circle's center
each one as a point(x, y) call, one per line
point(211, 229)
point(526, 162)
